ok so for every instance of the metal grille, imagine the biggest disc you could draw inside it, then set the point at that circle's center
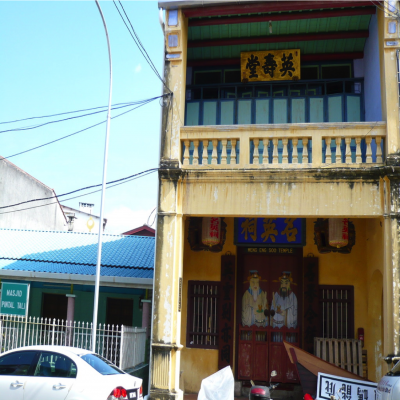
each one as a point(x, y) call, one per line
point(202, 314)
point(337, 312)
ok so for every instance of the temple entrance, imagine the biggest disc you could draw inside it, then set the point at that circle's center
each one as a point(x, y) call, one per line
point(269, 312)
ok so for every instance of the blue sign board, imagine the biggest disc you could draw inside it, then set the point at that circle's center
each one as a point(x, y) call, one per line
point(270, 231)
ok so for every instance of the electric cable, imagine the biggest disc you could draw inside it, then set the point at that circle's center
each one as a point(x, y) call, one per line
point(68, 119)
point(63, 113)
point(82, 130)
point(81, 195)
point(79, 190)
point(139, 44)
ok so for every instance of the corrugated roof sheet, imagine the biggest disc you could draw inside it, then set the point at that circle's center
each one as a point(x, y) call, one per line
point(76, 253)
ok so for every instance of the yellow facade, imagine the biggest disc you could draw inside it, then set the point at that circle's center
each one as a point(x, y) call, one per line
point(254, 186)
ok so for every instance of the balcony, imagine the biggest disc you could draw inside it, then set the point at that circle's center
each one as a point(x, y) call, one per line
point(311, 101)
point(304, 145)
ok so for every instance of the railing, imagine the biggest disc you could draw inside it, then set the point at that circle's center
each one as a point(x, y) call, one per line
point(312, 101)
point(303, 145)
point(122, 345)
point(344, 353)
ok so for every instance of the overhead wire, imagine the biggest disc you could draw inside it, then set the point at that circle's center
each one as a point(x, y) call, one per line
point(82, 195)
point(67, 119)
point(82, 130)
point(84, 188)
point(63, 113)
point(139, 44)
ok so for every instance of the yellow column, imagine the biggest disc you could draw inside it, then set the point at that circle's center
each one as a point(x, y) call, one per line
point(165, 349)
point(389, 45)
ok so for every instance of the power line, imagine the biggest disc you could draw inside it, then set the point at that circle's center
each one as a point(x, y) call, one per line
point(69, 118)
point(139, 44)
point(81, 195)
point(63, 113)
point(79, 190)
point(82, 130)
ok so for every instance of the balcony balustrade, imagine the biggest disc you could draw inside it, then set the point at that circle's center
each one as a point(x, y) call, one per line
point(354, 144)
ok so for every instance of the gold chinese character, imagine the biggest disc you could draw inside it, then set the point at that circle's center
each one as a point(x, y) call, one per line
point(290, 231)
point(269, 229)
point(250, 227)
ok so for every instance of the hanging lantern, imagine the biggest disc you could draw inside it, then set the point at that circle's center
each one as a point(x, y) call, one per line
point(211, 231)
point(338, 232)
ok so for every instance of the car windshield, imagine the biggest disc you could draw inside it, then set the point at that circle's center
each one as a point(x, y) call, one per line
point(101, 365)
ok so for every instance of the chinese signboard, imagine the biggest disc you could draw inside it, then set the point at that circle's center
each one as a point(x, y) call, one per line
point(270, 231)
point(226, 312)
point(344, 388)
point(14, 299)
point(273, 65)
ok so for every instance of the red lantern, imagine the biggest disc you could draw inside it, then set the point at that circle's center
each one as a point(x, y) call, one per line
point(338, 232)
point(211, 231)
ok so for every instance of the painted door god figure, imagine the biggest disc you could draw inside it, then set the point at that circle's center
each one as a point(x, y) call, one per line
point(254, 302)
point(284, 304)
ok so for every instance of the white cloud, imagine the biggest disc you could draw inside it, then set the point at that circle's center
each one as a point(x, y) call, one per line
point(138, 68)
point(123, 219)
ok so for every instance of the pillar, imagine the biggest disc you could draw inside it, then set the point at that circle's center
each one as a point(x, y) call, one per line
point(166, 321)
point(70, 318)
point(146, 311)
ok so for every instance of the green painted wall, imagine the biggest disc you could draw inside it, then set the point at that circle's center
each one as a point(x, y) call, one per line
point(84, 300)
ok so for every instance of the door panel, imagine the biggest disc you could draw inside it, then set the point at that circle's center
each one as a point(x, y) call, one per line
point(268, 311)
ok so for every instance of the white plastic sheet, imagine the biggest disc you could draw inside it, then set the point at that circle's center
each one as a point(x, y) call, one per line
point(219, 386)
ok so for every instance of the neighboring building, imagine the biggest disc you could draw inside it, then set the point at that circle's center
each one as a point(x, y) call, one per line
point(283, 127)
point(58, 264)
point(17, 186)
point(83, 220)
point(144, 230)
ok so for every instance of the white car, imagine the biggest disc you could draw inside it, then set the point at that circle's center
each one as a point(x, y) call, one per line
point(63, 373)
point(389, 385)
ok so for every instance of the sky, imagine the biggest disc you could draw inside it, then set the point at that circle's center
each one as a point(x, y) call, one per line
point(55, 59)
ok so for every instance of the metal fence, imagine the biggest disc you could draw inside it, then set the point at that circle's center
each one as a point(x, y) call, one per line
point(122, 345)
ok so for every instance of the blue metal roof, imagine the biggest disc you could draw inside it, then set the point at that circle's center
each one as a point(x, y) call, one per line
point(76, 253)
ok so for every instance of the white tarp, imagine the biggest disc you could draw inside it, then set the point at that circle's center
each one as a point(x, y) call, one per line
point(218, 386)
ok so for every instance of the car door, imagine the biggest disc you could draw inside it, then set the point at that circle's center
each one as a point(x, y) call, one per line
point(15, 369)
point(52, 378)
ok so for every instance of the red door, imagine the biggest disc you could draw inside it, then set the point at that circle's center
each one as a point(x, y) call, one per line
point(268, 313)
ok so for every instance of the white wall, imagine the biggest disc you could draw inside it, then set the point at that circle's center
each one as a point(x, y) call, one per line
point(84, 222)
point(372, 83)
point(17, 186)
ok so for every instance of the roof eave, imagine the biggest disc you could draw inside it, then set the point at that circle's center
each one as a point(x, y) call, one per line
point(114, 281)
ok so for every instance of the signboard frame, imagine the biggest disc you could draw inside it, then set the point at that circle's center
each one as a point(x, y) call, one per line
point(371, 387)
point(299, 243)
point(3, 298)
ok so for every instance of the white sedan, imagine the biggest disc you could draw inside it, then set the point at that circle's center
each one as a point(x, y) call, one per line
point(63, 373)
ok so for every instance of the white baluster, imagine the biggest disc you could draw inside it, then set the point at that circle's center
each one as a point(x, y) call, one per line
point(275, 151)
point(338, 150)
point(196, 152)
point(214, 156)
point(223, 154)
point(204, 158)
point(295, 154)
point(265, 157)
point(328, 154)
point(358, 150)
point(368, 141)
point(305, 151)
point(256, 154)
point(285, 157)
point(347, 151)
point(233, 151)
point(378, 140)
point(186, 153)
